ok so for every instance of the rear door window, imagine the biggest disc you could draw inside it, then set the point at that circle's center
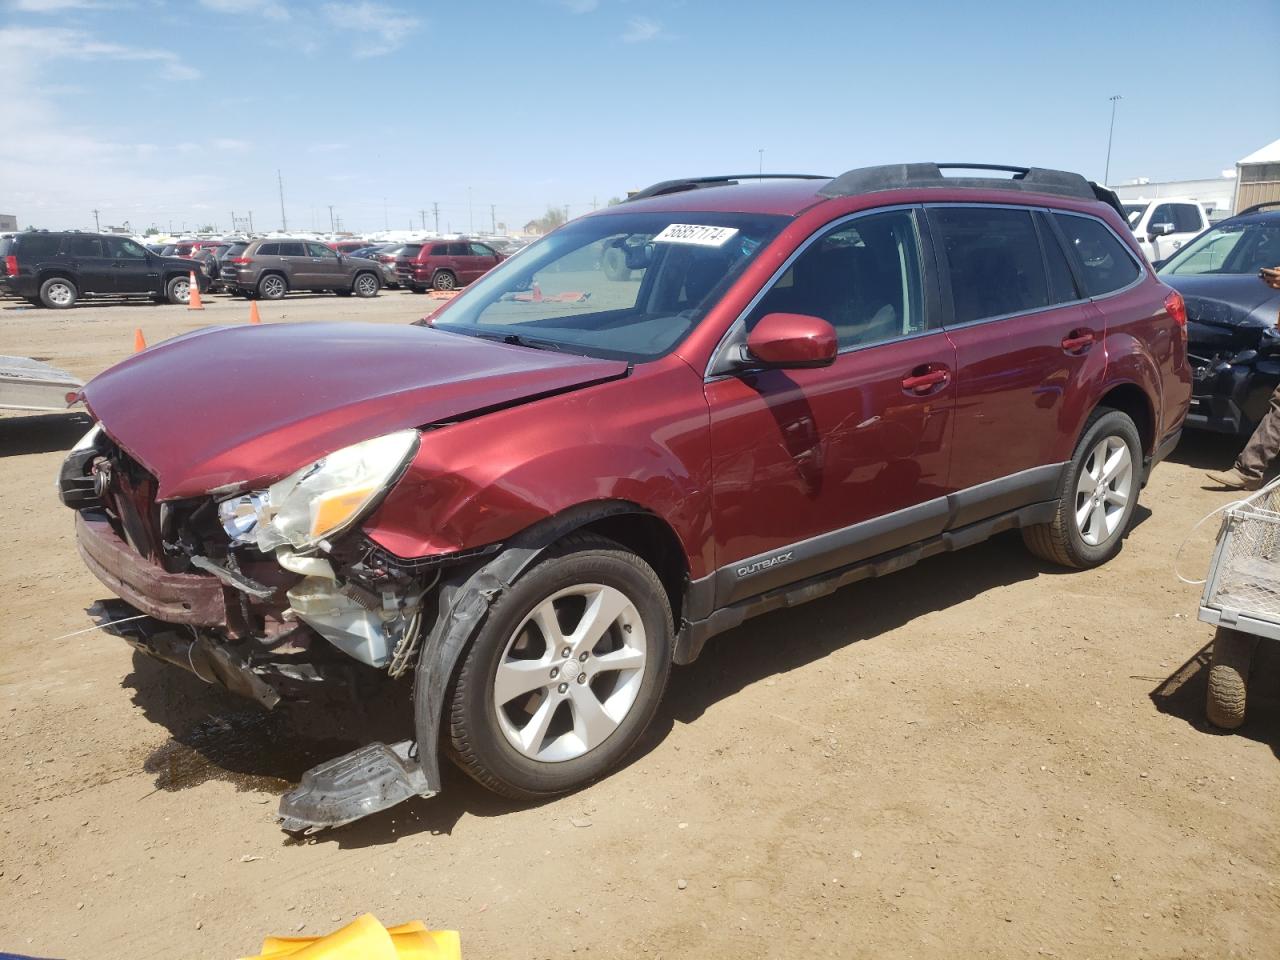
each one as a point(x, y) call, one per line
point(457, 250)
point(83, 247)
point(1062, 285)
point(292, 250)
point(269, 250)
point(1103, 262)
point(440, 250)
point(993, 261)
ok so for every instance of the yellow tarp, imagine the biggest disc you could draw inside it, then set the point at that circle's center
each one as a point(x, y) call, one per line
point(367, 939)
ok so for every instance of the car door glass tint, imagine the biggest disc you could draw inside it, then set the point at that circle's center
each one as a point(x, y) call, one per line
point(1103, 261)
point(439, 250)
point(1186, 218)
point(863, 278)
point(292, 250)
point(269, 250)
point(125, 249)
point(457, 250)
point(1062, 285)
point(83, 247)
point(320, 250)
point(480, 250)
point(994, 261)
point(35, 247)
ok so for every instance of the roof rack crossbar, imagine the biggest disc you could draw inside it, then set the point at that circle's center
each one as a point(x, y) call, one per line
point(694, 183)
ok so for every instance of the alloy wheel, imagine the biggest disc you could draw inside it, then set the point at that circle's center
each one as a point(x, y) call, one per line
point(570, 673)
point(366, 285)
point(1103, 490)
point(60, 293)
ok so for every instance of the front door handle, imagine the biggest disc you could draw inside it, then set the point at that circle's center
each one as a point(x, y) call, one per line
point(1078, 341)
point(926, 379)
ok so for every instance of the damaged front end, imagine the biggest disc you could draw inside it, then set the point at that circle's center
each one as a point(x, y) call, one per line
point(272, 593)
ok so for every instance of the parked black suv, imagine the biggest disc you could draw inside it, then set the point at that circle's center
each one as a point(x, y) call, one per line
point(57, 269)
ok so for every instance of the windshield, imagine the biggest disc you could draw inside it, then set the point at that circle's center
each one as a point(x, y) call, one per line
point(627, 286)
point(1133, 213)
point(1229, 248)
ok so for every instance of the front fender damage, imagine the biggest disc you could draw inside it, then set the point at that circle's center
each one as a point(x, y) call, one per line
point(379, 776)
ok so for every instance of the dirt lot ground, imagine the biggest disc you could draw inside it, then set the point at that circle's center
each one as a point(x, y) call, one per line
point(980, 756)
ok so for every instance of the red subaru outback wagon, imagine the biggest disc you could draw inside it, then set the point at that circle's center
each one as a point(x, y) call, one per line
point(721, 397)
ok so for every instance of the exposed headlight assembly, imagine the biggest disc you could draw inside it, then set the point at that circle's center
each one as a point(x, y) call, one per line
point(320, 500)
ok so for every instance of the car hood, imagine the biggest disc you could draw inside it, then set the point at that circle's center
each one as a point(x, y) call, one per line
point(248, 405)
point(1225, 299)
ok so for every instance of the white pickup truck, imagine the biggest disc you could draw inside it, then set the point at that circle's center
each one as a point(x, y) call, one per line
point(1162, 226)
point(27, 384)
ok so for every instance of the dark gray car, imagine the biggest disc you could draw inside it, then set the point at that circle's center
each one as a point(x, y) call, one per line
point(271, 268)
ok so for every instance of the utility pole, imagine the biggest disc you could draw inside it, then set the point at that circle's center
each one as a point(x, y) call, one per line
point(471, 214)
point(761, 170)
point(284, 223)
point(435, 211)
point(251, 221)
point(331, 218)
point(96, 228)
point(595, 201)
point(423, 215)
point(233, 221)
point(493, 218)
point(1106, 177)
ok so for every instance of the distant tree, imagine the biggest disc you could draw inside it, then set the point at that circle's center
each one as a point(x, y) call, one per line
point(207, 228)
point(614, 201)
point(151, 232)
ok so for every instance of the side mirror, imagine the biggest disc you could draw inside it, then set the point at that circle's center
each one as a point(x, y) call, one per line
point(788, 340)
point(1159, 230)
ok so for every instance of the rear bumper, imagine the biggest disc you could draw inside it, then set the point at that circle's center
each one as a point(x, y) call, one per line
point(19, 285)
point(195, 600)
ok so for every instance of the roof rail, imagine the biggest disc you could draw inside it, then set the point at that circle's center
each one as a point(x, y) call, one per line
point(1258, 206)
point(694, 183)
point(898, 176)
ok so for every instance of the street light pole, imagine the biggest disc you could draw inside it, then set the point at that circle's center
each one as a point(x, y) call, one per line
point(761, 170)
point(1106, 176)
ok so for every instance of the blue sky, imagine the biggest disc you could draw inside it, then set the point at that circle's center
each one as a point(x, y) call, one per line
point(156, 112)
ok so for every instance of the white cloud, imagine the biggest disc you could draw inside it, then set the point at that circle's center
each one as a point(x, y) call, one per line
point(580, 6)
point(263, 8)
point(379, 28)
point(640, 29)
point(51, 43)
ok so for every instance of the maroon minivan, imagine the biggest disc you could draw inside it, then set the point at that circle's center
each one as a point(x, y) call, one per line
point(721, 397)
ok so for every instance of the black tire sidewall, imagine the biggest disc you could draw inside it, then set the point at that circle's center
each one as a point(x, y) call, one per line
point(518, 774)
point(1109, 423)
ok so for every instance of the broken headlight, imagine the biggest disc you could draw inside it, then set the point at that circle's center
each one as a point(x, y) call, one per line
point(320, 500)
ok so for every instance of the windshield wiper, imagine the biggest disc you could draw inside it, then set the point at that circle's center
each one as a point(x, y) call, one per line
point(519, 340)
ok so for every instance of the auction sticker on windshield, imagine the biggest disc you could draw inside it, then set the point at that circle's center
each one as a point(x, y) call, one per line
point(696, 235)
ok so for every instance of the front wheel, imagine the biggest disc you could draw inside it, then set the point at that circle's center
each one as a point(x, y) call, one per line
point(565, 674)
point(1097, 498)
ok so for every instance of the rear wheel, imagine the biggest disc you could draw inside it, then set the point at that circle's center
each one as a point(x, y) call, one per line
point(272, 287)
point(444, 280)
point(178, 290)
point(366, 285)
point(1097, 498)
point(565, 674)
point(1226, 698)
point(58, 293)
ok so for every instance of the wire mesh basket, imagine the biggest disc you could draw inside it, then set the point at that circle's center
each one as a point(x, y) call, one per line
point(1244, 574)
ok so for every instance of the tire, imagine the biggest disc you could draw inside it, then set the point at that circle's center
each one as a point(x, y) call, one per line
point(1107, 505)
point(272, 287)
point(1225, 699)
point(444, 280)
point(178, 290)
point(58, 293)
point(614, 264)
point(366, 285)
point(558, 755)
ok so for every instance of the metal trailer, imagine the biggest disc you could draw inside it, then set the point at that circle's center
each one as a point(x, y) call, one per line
point(27, 384)
point(1242, 599)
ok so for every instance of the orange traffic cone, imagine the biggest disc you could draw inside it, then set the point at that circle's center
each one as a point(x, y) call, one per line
point(193, 303)
point(253, 312)
point(139, 344)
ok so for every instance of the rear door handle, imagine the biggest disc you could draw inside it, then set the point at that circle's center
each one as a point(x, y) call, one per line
point(925, 379)
point(1078, 341)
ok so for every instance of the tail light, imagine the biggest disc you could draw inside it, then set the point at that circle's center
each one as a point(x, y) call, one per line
point(1177, 308)
point(242, 261)
point(11, 266)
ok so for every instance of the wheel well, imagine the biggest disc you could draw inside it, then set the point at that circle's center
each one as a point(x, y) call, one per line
point(443, 270)
point(273, 273)
point(652, 540)
point(1130, 399)
point(48, 275)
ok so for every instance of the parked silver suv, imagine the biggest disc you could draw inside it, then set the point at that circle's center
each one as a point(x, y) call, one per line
point(271, 268)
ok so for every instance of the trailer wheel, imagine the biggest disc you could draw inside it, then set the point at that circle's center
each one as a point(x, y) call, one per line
point(1229, 677)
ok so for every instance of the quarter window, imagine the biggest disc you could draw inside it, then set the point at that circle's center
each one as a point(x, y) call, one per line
point(269, 250)
point(83, 247)
point(1103, 261)
point(993, 259)
point(863, 278)
point(440, 250)
point(32, 246)
point(1062, 285)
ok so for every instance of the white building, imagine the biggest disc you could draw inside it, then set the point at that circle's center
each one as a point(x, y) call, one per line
point(1216, 195)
